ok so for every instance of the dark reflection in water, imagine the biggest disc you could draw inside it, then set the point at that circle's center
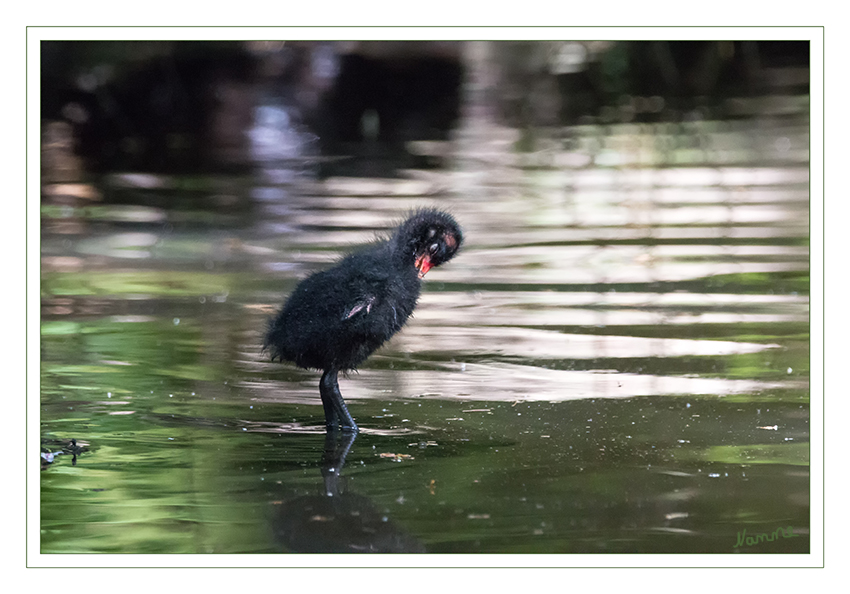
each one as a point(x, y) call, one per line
point(339, 521)
point(617, 362)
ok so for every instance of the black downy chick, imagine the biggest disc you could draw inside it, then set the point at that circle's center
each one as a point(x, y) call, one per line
point(336, 318)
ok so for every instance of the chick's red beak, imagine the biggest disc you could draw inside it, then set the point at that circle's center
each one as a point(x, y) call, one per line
point(423, 264)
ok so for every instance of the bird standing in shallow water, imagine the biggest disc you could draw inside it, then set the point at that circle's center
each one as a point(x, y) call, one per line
point(336, 318)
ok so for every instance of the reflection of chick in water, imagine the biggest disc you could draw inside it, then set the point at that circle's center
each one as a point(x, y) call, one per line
point(339, 522)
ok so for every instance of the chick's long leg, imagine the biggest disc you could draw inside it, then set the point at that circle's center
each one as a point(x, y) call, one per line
point(336, 413)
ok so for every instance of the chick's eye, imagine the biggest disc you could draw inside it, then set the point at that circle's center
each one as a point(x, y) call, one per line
point(433, 248)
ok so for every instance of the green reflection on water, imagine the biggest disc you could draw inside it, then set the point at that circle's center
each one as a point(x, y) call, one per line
point(145, 282)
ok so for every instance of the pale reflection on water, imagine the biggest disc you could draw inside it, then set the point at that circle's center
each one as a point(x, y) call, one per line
point(554, 254)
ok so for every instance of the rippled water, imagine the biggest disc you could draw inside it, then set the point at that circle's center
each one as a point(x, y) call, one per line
point(616, 361)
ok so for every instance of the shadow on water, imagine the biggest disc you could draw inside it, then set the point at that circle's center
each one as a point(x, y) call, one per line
point(616, 361)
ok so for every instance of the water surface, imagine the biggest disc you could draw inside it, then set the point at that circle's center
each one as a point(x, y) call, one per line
point(616, 361)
